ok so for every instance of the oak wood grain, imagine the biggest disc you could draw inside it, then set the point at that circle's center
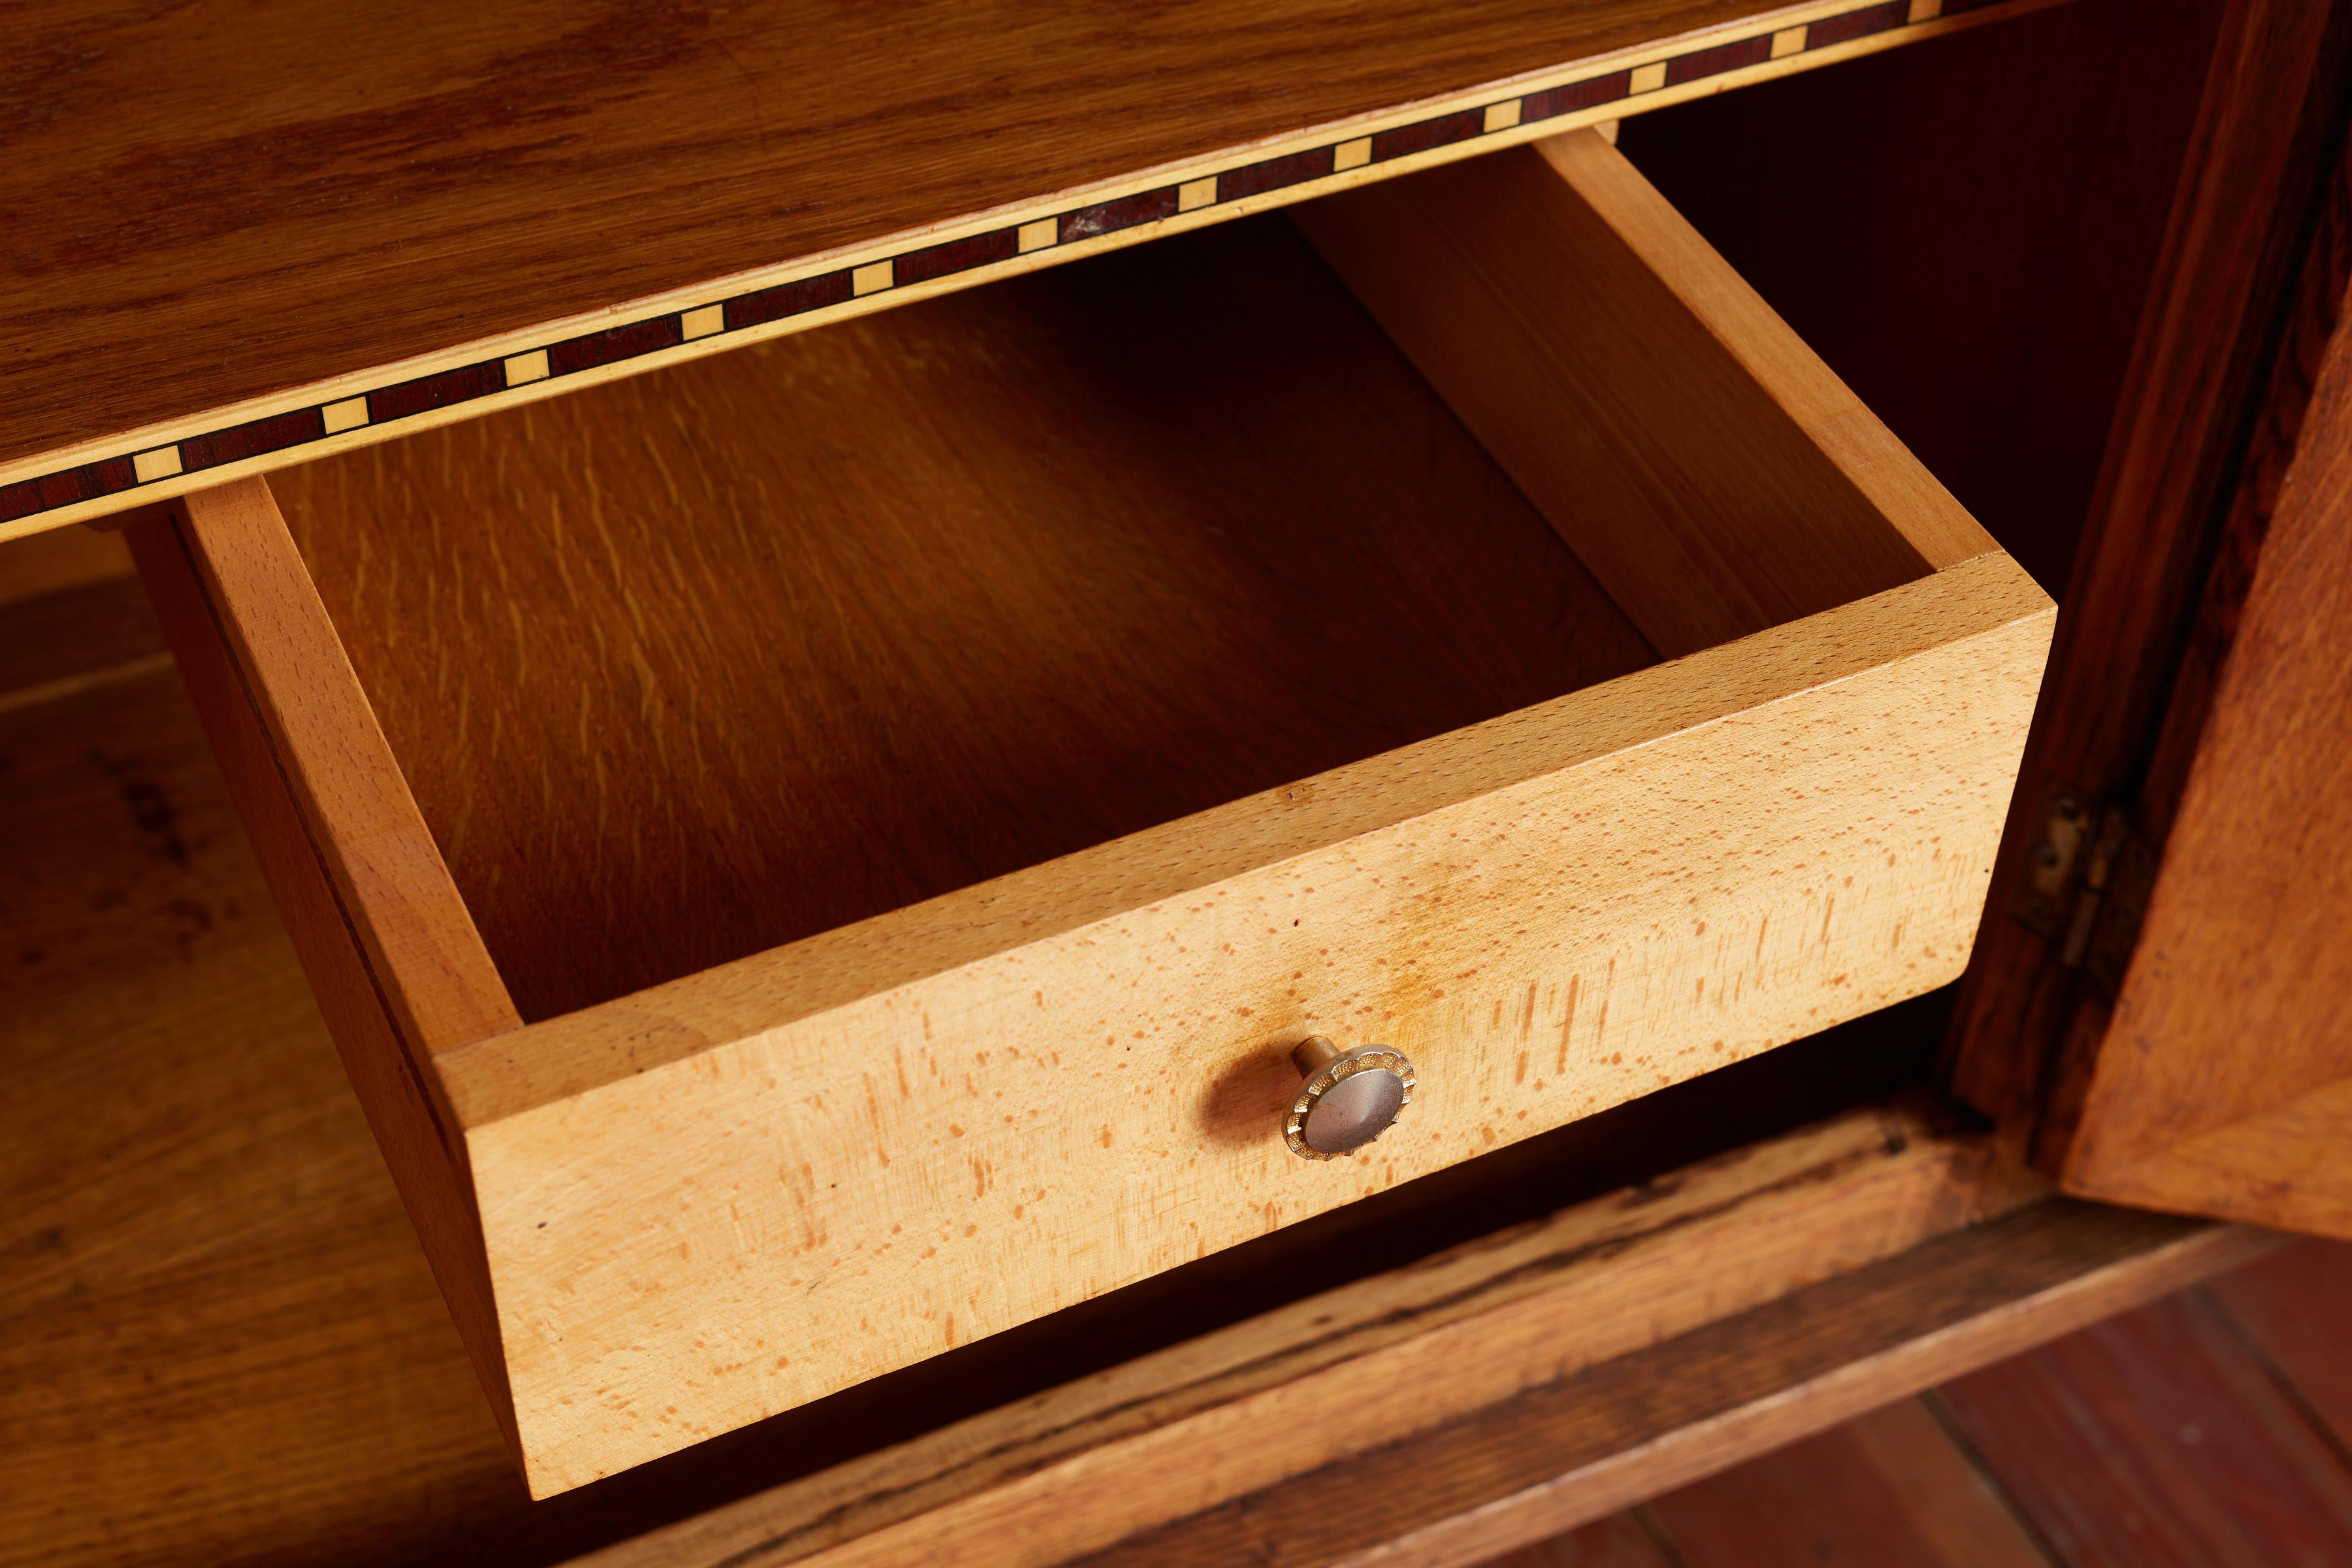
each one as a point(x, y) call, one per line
point(450, 179)
point(57, 559)
point(2313, 310)
point(770, 644)
point(73, 616)
point(74, 638)
point(1587, 383)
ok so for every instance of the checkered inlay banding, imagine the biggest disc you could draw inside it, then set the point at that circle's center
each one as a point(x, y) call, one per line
point(762, 306)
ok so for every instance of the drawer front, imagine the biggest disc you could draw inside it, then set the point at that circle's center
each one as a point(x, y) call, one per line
point(947, 1156)
point(675, 1212)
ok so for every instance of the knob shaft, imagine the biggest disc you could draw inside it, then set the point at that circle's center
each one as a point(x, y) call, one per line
point(1349, 1097)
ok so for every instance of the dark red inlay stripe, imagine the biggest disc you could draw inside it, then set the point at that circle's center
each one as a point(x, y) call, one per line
point(274, 434)
point(1110, 217)
point(1441, 131)
point(614, 344)
point(1954, 8)
point(22, 499)
point(955, 256)
point(50, 492)
point(428, 392)
point(1718, 59)
point(1576, 95)
point(787, 300)
point(1857, 24)
point(1274, 173)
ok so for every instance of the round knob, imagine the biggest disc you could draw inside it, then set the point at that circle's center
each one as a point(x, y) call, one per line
point(1349, 1097)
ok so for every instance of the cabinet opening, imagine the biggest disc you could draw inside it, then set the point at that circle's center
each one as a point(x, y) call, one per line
point(689, 666)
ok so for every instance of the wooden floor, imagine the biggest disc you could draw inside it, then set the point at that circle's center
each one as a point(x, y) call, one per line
point(219, 1342)
point(2211, 1427)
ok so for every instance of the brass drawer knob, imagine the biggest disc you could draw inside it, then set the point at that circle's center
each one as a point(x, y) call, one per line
point(1349, 1097)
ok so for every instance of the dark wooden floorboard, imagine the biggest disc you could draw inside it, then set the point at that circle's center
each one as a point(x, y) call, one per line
point(2157, 1439)
point(1889, 1490)
point(2214, 1428)
point(2292, 1307)
point(1621, 1540)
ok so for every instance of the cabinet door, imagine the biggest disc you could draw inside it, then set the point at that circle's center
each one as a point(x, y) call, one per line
point(2151, 1006)
point(2223, 1082)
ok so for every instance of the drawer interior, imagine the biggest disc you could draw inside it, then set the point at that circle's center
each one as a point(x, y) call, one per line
point(689, 666)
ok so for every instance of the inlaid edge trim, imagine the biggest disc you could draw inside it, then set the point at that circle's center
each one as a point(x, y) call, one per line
point(149, 468)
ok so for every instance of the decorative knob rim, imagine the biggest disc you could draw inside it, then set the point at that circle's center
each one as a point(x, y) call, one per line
point(1334, 1069)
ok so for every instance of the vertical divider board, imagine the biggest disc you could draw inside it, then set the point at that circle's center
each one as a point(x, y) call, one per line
point(667, 1216)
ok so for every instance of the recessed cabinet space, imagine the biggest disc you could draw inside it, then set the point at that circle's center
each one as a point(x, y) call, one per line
point(825, 852)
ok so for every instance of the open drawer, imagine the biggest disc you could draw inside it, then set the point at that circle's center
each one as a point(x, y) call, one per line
point(823, 853)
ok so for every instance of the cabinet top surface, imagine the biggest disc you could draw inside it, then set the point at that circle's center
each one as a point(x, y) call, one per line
point(220, 215)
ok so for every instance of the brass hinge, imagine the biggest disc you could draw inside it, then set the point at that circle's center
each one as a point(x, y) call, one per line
point(2088, 877)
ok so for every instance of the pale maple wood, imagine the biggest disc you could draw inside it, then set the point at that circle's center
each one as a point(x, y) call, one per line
point(961, 1113)
point(962, 1155)
point(383, 936)
point(588, 173)
point(2224, 1080)
point(386, 873)
point(1374, 1362)
point(221, 1340)
point(1586, 381)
